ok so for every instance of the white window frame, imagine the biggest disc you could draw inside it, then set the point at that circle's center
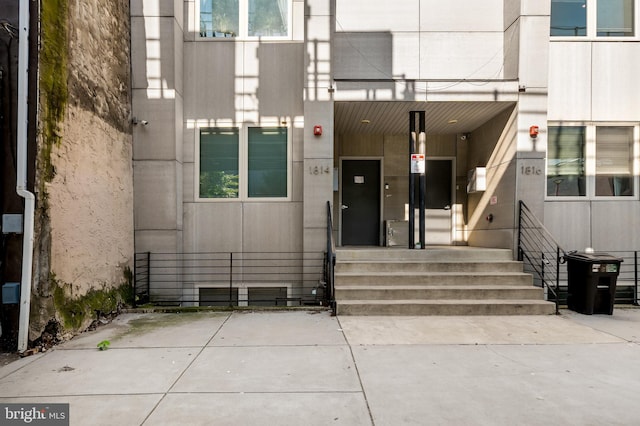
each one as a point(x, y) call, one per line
point(243, 24)
point(243, 158)
point(592, 26)
point(590, 162)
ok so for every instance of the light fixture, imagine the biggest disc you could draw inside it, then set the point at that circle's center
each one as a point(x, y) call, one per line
point(365, 121)
point(452, 121)
point(135, 121)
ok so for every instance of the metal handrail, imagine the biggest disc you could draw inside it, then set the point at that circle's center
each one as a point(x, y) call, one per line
point(539, 250)
point(330, 261)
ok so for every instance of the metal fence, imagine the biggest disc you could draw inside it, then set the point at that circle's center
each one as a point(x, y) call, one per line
point(230, 279)
point(544, 259)
point(540, 253)
point(627, 281)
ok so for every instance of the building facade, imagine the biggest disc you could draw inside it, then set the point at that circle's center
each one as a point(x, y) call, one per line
point(67, 178)
point(250, 115)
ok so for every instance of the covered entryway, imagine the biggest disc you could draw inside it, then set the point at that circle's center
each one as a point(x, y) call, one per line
point(379, 132)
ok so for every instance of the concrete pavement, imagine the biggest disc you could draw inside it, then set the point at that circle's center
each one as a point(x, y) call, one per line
point(306, 367)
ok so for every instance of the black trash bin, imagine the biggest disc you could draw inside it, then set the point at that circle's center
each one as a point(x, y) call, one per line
point(592, 282)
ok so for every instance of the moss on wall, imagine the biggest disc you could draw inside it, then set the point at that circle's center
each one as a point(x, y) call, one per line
point(53, 81)
point(77, 313)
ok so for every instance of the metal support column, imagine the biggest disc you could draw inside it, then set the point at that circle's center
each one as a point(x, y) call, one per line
point(417, 153)
point(412, 182)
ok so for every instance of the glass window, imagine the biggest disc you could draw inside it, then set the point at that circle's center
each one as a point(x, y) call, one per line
point(267, 162)
point(614, 161)
point(568, 18)
point(268, 18)
point(615, 18)
point(219, 160)
point(244, 18)
point(219, 18)
point(565, 161)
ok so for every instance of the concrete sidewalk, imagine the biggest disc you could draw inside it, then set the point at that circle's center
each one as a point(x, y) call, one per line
point(292, 368)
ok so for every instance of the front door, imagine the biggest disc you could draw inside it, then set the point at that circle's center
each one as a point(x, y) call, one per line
point(438, 201)
point(360, 202)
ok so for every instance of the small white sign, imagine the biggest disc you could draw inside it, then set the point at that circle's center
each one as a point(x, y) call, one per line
point(358, 179)
point(493, 200)
point(417, 163)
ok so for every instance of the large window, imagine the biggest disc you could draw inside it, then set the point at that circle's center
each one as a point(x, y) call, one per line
point(591, 161)
point(267, 162)
point(592, 18)
point(245, 18)
point(565, 161)
point(568, 18)
point(614, 161)
point(226, 173)
point(219, 163)
point(615, 18)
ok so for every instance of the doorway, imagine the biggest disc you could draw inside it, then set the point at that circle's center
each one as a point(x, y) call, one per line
point(360, 202)
point(439, 201)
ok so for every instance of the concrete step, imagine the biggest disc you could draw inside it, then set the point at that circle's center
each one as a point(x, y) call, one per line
point(409, 292)
point(430, 254)
point(445, 307)
point(435, 281)
point(362, 266)
point(433, 278)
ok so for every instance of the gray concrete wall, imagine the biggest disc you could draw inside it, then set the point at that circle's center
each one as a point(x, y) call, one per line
point(493, 146)
point(595, 82)
point(158, 97)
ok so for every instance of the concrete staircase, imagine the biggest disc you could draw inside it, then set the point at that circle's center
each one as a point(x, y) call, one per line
point(435, 281)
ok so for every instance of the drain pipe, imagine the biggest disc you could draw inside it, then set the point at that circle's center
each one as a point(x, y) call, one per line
point(21, 177)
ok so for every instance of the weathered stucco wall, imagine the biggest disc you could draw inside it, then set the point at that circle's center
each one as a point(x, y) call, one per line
point(84, 172)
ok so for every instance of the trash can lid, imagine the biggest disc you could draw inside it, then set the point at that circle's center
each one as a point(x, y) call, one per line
point(593, 257)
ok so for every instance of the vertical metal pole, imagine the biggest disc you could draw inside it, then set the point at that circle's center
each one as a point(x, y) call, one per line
point(635, 278)
point(423, 179)
point(520, 257)
point(135, 278)
point(542, 269)
point(557, 279)
point(231, 279)
point(149, 275)
point(412, 201)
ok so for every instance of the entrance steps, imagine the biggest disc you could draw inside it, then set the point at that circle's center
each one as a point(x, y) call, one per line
point(435, 281)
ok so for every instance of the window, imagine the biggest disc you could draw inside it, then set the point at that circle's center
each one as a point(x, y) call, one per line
point(592, 18)
point(219, 157)
point(224, 170)
point(565, 161)
point(267, 162)
point(614, 161)
point(568, 18)
point(593, 161)
point(615, 18)
point(245, 18)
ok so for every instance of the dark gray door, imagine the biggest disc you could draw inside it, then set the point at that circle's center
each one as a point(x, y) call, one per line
point(360, 202)
point(439, 182)
point(438, 201)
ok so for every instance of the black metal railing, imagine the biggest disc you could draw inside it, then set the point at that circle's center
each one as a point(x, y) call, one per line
point(330, 261)
point(626, 282)
point(540, 253)
point(544, 259)
point(230, 279)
